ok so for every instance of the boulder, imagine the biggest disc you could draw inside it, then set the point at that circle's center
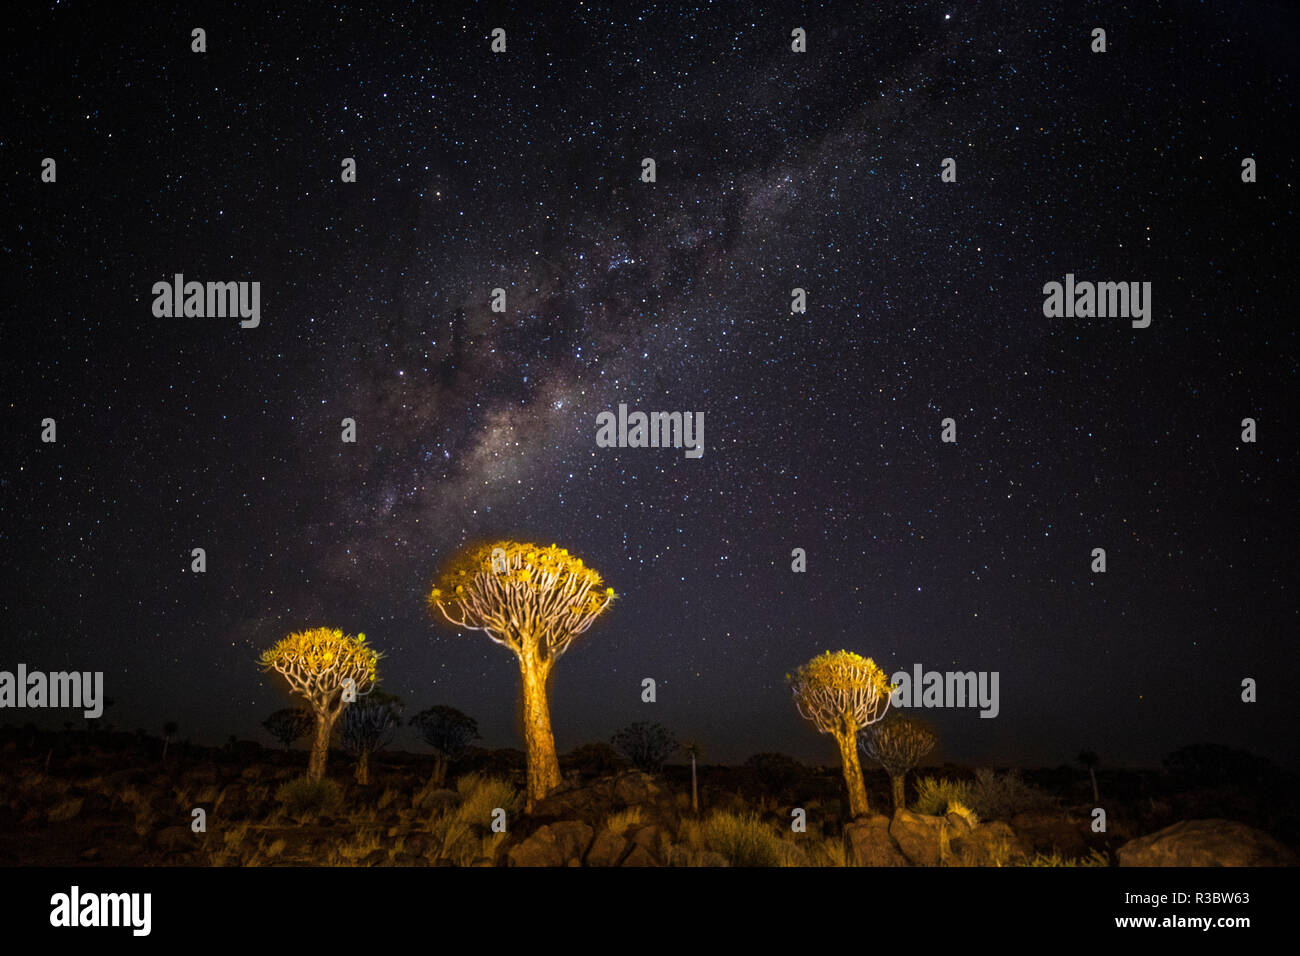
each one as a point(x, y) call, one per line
point(989, 844)
point(923, 839)
point(554, 844)
point(867, 843)
point(1050, 831)
point(1206, 843)
point(639, 856)
point(650, 837)
point(607, 849)
point(634, 789)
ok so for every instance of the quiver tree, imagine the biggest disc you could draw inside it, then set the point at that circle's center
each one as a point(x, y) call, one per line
point(324, 667)
point(289, 724)
point(448, 733)
point(897, 744)
point(842, 693)
point(647, 745)
point(368, 727)
point(535, 601)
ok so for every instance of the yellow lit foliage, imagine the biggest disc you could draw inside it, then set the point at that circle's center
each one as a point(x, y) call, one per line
point(533, 595)
point(840, 692)
point(317, 661)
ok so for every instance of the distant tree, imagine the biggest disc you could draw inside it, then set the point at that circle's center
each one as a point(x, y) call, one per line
point(289, 724)
point(448, 733)
point(693, 750)
point(647, 745)
point(841, 694)
point(595, 759)
point(1090, 760)
point(775, 773)
point(1214, 765)
point(368, 727)
point(169, 731)
point(897, 743)
point(534, 601)
point(318, 665)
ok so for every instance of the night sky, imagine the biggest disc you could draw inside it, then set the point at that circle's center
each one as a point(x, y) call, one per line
point(775, 170)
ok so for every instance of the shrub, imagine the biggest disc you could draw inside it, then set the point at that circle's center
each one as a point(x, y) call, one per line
point(997, 796)
point(619, 822)
point(744, 840)
point(1094, 858)
point(305, 795)
point(965, 812)
point(934, 794)
point(479, 796)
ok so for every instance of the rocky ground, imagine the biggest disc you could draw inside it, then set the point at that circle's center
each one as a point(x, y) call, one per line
point(94, 804)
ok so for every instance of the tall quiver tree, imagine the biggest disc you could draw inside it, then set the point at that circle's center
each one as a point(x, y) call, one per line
point(534, 601)
point(843, 693)
point(897, 744)
point(319, 665)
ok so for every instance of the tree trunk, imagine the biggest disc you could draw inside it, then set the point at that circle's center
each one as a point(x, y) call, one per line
point(1096, 798)
point(695, 790)
point(363, 768)
point(539, 742)
point(853, 774)
point(896, 780)
point(439, 770)
point(165, 743)
point(320, 747)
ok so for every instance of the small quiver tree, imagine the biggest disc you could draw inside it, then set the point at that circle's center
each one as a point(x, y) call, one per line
point(320, 665)
point(897, 743)
point(368, 727)
point(448, 733)
point(842, 693)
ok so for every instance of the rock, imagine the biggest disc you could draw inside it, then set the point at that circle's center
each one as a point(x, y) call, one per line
point(989, 844)
point(553, 844)
point(650, 837)
point(607, 849)
point(635, 788)
point(1206, 843)
point(1050, 831)
point(639, 856)
point(921, 838)
point(958, 826)
point(867, 843)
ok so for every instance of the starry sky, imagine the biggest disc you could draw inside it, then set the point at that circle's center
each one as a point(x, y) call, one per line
point(775, 170)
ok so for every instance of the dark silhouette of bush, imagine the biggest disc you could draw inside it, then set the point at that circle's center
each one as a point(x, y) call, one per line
point(1214, 765)
point(594, 760)
point(647, 745)
point(775, 773)
point(289, 724)
point(448, 733)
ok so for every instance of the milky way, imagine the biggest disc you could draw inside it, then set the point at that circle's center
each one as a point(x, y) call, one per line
point(775, 170)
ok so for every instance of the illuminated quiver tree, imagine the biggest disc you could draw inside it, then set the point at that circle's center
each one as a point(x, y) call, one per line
point(534, 601)
point(320, 665)
point(842, 693)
